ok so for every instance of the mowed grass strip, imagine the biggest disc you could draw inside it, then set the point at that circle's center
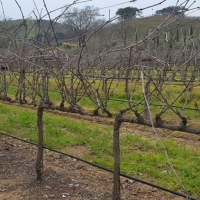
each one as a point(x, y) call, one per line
point(140, 156)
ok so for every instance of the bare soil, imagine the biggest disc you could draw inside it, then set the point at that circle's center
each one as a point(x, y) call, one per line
point(64, 178)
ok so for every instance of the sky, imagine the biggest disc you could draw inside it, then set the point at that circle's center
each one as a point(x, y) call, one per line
point(11, 9)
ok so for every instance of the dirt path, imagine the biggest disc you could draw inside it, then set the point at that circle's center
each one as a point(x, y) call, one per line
point(64, 178)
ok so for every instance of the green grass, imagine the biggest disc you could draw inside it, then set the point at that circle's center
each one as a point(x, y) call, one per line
point(118, 101)
point(140, 156)
point(146, 157)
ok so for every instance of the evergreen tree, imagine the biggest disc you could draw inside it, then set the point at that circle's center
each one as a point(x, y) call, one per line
point(176, 10)
point(128, 12)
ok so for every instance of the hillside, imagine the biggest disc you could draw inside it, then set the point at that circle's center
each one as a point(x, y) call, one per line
point(123, 32)
point(136, 29)
point(153, 22)
point(18, 28)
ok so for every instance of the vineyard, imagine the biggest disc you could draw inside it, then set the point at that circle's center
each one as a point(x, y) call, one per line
point(153, 81)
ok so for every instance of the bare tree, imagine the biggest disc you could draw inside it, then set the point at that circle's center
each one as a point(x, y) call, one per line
point(81, 21)
point(126, 30)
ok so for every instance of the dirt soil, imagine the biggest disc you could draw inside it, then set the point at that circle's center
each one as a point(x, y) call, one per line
point(64, 178)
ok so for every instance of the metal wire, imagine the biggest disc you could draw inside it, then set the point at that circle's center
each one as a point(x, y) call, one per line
point(125, 101)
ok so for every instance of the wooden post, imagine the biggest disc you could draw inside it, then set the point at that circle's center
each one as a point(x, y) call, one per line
point(147, 91)
point(106, 92)
point(39, 161)
point(147, 85)
point(3, 82)
point(116, 148)
point(45, 86)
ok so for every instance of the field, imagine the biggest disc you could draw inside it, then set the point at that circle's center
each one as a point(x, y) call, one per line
point(64, 178)
point(90, 138)
point(121, 94)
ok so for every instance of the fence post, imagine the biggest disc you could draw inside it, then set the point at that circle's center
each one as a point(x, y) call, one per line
point(116, 148)
point(147, 85)
point(39, 161)
point(3, 82)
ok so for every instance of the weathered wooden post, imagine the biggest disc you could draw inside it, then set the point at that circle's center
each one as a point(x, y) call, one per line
point(148, 82)
point(116, 148)
point(3, 81)
point(39, 161)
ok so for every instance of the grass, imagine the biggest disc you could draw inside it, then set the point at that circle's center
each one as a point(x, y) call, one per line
point(119, 93)
point(140, 156)
point(118, 101)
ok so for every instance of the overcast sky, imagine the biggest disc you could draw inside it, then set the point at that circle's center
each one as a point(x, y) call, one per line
point(12, 10)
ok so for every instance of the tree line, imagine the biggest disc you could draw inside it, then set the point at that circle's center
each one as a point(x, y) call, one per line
point(133, 12)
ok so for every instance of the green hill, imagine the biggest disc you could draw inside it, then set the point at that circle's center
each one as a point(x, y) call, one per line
point(177, 28)
point(30, 28)
point(123, 32)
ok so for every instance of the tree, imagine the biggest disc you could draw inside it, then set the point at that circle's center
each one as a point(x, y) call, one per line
point(176, 10)
point(81, 21)
point(128, 12)
point(60, 35)
point(125, 30)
